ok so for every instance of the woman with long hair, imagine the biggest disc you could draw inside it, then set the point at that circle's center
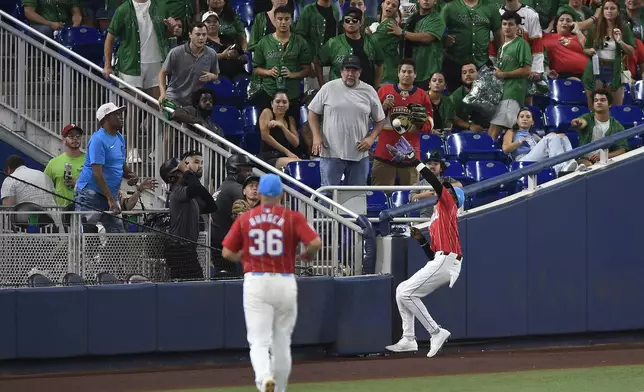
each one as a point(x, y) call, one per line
point(523, 144)
point(443, 108)
point(565, 49)
point(231, 27)
point(610, 40)
point(280, 141)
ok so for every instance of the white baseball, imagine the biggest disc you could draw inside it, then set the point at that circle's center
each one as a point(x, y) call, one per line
point(396, 123)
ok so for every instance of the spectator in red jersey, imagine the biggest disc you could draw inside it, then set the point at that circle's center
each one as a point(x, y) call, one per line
point(265, 239)
point(444, 266)
point(400, 123)
point(565, 49)
point(635, 63)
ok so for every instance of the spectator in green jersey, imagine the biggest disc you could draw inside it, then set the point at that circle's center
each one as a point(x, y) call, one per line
point(49, 16)
point(389, 42)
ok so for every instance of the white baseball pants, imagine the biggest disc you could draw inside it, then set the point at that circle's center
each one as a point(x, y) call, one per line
point(270, 310)
point(433, 275)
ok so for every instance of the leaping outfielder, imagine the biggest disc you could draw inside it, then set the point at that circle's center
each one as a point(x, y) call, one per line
point(443, 269)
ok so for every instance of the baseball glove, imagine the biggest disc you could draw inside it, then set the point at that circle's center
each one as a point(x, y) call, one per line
point(401, 151)
point(417, 113)
point(239, 207)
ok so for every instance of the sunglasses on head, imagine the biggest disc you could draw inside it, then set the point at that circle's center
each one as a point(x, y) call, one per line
point(350, 20)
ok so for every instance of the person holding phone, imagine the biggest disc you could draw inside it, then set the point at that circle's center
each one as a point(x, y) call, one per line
point(229, 55)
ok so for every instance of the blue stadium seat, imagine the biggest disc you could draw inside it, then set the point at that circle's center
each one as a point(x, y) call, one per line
point(224, 89)
point(456, 170)
point(85, 41)
point(469, 146)
point(229, 119)
point(481, 171)
point(307, 172)
point(251, 116)
point(376, 202)
point(567, 92)
point(245, 12)
point(638, 92)
point(241, 89)
point(296, 12)
point(558, 117)
point(539, 120)
point(627, 115)
point(542, 177)
point(304, 115)
point(628, 95)
point(635, 142)
point(399, 198)
point(428, 143)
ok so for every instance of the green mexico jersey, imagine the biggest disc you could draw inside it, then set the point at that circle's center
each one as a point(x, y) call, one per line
point(53, 10)
point(390, 45)
point(231, 28)
point(429, 58)
point(336, 49)
point(270, 53)
point(471, 28)
point(512, 56)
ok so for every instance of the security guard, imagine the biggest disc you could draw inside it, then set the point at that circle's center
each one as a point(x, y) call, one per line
point(238, 168)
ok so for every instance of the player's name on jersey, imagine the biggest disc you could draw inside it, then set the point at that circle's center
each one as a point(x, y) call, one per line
point(266, 218)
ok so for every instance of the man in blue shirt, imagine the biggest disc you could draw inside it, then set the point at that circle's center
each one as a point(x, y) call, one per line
point(100, 178)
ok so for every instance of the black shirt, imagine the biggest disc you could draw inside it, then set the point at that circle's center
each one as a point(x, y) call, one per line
point(270, 28)
point(368, 74)
point(330, 30)
point(229, 191)
point(436, 115)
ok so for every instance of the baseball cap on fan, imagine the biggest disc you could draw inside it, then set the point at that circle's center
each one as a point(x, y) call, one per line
point(70, 127)
point(209, 14)
point(107, 108)
point(270, 185)
point(351, 62)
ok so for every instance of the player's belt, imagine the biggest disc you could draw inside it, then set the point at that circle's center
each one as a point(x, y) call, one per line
point(270, 274)
point(456, 255)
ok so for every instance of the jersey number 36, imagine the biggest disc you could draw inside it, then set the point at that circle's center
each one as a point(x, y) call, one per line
point(266, 242)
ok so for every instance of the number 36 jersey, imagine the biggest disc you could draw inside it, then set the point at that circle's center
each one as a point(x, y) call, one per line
point(268, 237)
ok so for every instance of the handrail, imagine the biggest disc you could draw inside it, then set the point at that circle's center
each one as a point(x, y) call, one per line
point(150, 99)
point(532, 169)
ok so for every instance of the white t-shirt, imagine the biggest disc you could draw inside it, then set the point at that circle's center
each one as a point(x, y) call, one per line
point(150, 51)
point(347, 113)
point(599, 131)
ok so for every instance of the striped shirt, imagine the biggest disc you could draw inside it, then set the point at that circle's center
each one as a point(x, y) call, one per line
point(268, 237)
point(443, 226)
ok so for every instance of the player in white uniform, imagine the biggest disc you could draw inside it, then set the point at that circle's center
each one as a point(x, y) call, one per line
point(265, 239)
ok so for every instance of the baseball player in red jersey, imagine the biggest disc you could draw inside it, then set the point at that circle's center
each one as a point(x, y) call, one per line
point(409, 113)
point(265, 240)
point(443, 269)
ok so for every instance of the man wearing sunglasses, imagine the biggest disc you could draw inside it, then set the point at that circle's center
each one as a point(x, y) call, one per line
point(353, 43)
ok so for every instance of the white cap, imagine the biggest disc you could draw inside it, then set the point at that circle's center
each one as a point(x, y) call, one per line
point(206, 15)
point(106, 109)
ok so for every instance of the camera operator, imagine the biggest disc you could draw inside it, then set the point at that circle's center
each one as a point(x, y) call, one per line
point(188, 199)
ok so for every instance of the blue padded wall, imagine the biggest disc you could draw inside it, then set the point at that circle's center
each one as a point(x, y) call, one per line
point(495, 255)
point(235, 325)
point(363, 315)
point(448, 307)
point(51, 322)
point(7, 324)
point(614, 251)
point(557, 279)
point(190, 316)
point(122, 318)
point(316, 316)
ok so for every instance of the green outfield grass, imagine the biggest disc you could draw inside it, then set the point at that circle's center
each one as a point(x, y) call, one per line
point(599, 379)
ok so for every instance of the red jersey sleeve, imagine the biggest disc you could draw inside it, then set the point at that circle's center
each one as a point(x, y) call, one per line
point(234, 239)
point(304, 231)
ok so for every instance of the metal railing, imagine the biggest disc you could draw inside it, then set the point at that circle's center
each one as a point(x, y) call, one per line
point(530, 171)
point(46, 86)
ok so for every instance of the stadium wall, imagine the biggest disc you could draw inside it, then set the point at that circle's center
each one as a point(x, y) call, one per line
point(566, 260)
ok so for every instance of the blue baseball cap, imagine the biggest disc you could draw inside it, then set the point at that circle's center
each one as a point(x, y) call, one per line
point(270, 185)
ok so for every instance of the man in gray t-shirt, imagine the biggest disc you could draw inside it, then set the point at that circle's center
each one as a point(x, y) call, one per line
point(348, 105)
point(187, 68)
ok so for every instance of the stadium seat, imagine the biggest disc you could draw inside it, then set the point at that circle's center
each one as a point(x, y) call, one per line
point(85, 41)
point(39, 280)
point(304, 115)
point(136, 278)
point(456, 170)
point(224, 89)
point(635, 142)
point(376, 201)
point(628, 115)
point(628, 95)
point(241, 89)
point(245, 12)
point(430, 143)
point(249, 65)
point(470, 146)
point(307, 172)
point(537, 115)
point(251, 116)
point(558, 117)
point(296, 12)
point(542, 177)
point(484, 170)
point(229, 119)
point(399, 198)
point(567, 92)
point(107, 278)
point(72, 279)
point(638, 92)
